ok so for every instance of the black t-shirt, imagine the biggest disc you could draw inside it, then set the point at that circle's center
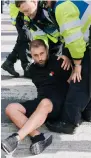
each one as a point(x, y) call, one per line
point(49, 78)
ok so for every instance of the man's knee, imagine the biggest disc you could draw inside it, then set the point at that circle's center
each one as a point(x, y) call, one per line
point(14, 107)
point(46, 105)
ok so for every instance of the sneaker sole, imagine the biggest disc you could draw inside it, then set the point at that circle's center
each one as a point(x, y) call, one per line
point(38, 147)
point(4, 148)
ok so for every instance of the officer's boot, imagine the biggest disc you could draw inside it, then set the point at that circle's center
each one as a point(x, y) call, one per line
point(9, 67)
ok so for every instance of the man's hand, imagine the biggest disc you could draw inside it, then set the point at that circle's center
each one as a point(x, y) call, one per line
point(76, 74)
point(66, 62)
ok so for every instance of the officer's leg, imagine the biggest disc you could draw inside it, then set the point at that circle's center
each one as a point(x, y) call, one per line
point(87, 112)
point(22, 48)
point(57, 125)
point(78, 95)
point(76, 101)
point(8, 65)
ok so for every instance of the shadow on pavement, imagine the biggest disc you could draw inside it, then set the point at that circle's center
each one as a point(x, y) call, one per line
point(6, 77)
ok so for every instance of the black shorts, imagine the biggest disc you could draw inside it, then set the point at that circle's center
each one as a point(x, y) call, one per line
point(56, 100)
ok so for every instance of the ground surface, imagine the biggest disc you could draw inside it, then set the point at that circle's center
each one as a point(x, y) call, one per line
point(13, 90)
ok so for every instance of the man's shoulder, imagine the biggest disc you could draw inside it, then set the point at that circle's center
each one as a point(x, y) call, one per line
point(29, 70)
point(53, 57)
point(54, 60)
point(31, 66)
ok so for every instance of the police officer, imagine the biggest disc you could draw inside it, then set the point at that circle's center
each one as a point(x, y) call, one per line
point(21, 47)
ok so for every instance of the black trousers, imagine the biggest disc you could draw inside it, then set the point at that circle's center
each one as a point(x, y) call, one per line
point(19, 52)
point(78, 99)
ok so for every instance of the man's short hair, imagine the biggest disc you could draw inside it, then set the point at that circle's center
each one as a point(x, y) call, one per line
point(19, 2)
point(37, 43)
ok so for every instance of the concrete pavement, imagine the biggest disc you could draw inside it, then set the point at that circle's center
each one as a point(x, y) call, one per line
point(19, 89)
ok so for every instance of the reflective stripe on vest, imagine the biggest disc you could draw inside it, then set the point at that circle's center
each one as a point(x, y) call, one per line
point(73, 37)
point(70, 25)
point(85, 29)
point(86, 36)
point(86, 22)
point(41, 33)
point(38, 33)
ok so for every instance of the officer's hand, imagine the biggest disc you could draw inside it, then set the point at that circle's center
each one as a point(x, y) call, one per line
point(66, 62)
point(76, 74)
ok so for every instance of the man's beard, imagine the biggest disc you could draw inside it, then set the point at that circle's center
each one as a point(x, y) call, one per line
point(44, 63)
point(41, 65)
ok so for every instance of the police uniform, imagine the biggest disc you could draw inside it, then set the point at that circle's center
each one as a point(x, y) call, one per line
point(22, 44)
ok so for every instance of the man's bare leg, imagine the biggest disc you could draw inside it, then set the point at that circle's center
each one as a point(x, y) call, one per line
point(16, 112)
point(37, 118)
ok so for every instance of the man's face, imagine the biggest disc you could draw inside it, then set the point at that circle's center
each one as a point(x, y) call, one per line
point(28, 7)
point(39, 55)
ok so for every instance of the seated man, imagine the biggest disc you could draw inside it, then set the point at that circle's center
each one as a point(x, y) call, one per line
point(51, 82)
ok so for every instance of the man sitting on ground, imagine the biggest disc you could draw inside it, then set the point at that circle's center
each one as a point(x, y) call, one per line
point(51, 81)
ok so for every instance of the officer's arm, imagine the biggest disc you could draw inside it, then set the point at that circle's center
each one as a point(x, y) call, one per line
point(17, 19)
point(67, 16)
